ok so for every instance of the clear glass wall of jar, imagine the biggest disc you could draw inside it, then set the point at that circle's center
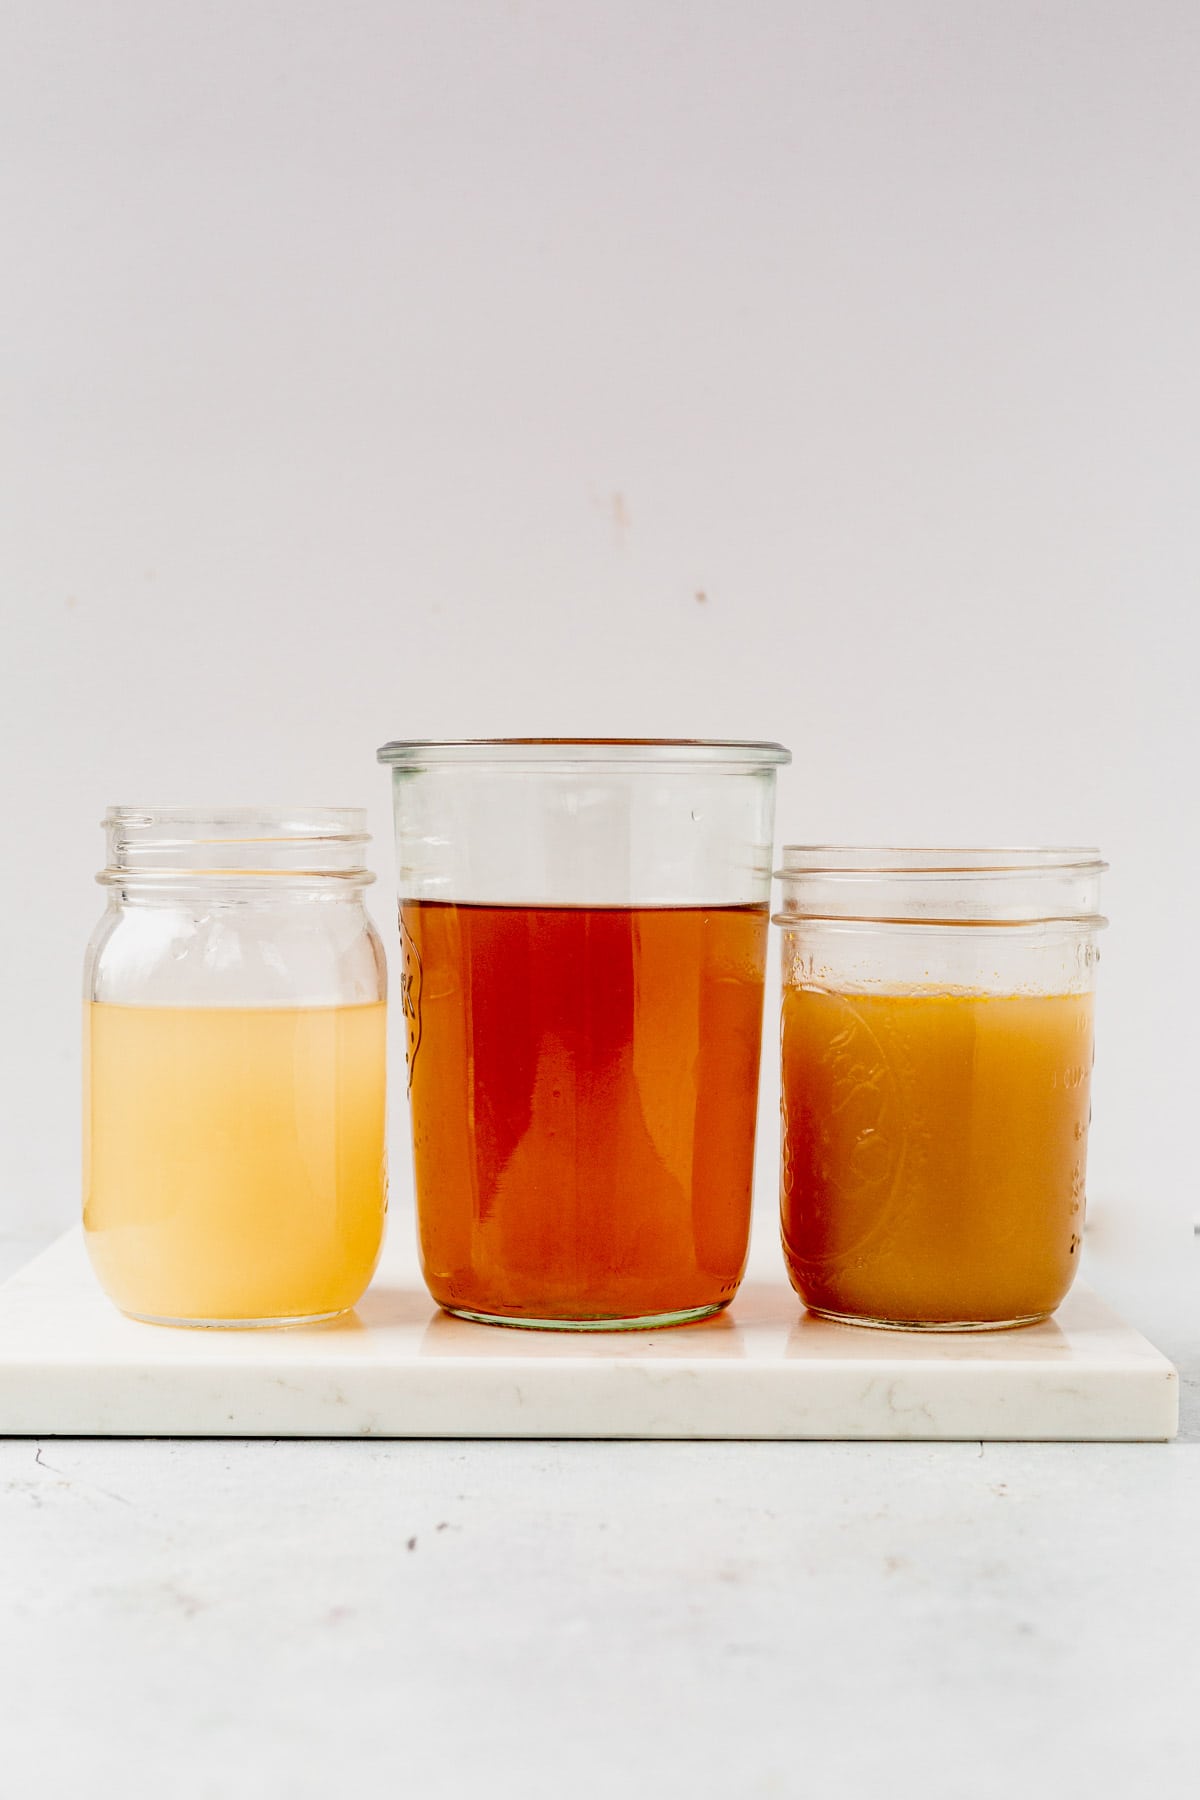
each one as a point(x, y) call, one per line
point(234, 1067)
point(937, 1051)
point(584, 924)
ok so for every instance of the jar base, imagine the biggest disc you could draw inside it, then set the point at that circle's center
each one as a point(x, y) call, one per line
point(874, 1324)
point(287, 1323)
point(651, 1322)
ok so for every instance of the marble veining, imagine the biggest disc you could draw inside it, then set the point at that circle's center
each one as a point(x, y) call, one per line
point(70, 1364)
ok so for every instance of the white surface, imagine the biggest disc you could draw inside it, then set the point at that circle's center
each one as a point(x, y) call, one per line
point(71, 1365)
point(220, 1620)
point(396, 369)
point(225, 1620)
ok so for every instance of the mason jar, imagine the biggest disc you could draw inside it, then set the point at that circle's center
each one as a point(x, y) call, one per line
point(234, 1167)
point(584, 925)
point(937, 1047)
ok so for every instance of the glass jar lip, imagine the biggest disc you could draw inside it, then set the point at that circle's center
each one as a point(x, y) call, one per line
point(941, 887)
point(516, 751)
point(166, 845)
point(243, 824)
point(849, 861)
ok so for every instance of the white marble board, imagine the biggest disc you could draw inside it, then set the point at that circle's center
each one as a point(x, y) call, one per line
point(71, 1365)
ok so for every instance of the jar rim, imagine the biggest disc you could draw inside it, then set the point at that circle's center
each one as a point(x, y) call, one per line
point(848, 861)
point(515, 751)
point(341, 824)
point(169, 844)
point(941, 887)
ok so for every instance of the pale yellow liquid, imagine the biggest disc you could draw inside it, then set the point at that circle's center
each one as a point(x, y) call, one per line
point(234, 1158)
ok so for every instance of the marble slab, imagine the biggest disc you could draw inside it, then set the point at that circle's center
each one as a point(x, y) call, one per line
point(71, 1365)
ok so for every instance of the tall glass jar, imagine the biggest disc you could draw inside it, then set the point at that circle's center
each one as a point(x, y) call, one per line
point(937, 1057)
point(584, 925)
point(234, 1067)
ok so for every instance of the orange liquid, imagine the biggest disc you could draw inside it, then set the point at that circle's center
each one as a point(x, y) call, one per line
point(934, 1148)
point(584, 1085)
point(234, 1164)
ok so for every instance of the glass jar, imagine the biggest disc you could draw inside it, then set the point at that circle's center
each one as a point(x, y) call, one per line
point(936, 1070)
point(584, 924)
point(234, 1067)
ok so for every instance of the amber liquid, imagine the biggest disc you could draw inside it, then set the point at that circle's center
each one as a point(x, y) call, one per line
point(234, 1162)
point(934, 1150)
point(583, 1085)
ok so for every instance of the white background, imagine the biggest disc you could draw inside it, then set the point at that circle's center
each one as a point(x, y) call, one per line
point(821, 372)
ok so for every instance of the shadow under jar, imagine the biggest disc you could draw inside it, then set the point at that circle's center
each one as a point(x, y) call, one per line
point(234, 1067)
point(937, 1053)
point(584, 927)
